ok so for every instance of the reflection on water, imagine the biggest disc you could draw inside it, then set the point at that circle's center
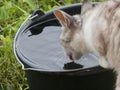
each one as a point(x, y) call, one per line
point(43, 50)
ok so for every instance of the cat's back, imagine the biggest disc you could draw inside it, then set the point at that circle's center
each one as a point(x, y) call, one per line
point(102, 29)
point(108, 26)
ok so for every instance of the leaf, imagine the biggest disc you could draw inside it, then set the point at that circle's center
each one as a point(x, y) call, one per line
point(31, 3)
point(4, 11)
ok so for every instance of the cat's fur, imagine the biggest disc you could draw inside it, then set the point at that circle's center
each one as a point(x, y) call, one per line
point(96, 30)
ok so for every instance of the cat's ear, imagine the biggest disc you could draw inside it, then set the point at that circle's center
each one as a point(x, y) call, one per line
point(64, 18)
point(86, 5)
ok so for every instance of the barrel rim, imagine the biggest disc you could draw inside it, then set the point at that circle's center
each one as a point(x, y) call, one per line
point(91, 70)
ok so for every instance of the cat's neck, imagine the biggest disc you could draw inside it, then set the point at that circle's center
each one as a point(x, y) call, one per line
point(88, 35)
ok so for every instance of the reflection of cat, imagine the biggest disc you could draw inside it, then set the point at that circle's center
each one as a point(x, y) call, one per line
point(96, 30)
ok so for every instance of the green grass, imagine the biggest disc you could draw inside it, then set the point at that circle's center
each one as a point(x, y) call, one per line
point(12, 14)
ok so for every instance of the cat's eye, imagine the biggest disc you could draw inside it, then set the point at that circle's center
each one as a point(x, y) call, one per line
point(65, 41)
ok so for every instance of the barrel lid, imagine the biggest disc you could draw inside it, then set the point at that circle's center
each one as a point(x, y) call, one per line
point(37, 46)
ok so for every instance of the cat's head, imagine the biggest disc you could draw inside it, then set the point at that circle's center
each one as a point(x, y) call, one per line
point(71, 36)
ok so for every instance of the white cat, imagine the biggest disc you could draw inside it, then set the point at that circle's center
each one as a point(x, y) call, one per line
point(96, 31)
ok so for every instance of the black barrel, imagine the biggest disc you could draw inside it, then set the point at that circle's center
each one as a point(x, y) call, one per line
point(37, 48)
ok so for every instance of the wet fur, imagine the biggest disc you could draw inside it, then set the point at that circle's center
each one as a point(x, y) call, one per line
point(96, 30)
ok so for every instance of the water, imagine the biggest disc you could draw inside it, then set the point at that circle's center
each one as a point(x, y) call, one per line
point(44, 52)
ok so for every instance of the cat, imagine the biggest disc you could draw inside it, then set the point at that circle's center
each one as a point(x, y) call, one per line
point(96, 30)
